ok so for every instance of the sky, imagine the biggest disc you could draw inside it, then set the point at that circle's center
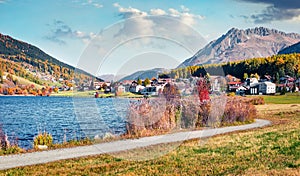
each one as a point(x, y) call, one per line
point(121, 37)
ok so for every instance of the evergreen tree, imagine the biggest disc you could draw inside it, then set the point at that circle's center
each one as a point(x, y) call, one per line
point(277, 78)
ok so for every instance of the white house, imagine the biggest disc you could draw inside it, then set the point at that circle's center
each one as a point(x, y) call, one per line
point(251, 81)
point(121, 89)
point(267, 88)
point(136, 89)
point(254, 89)
point(241, 90)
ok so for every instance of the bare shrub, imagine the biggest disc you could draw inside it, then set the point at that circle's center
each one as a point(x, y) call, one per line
point(238, 110)
point(190, 112)
point(150, 114)
point(171, 111)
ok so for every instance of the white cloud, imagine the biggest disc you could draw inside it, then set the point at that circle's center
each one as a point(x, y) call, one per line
point(183, 14)
point(296, 19)
point(155, 30)
point(157, 22)
point(116, 4)
point(157, 12)
point(184, 9)
point(174, 12)
point(91, 3)
point(129, 12)
point(97, 5)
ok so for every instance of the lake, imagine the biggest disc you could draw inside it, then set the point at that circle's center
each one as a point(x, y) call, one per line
point(65, 118)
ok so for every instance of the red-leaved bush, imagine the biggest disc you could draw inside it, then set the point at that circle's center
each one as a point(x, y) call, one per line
point(202, 87)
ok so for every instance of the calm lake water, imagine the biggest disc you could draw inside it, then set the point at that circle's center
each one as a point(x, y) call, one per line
point(22, 118)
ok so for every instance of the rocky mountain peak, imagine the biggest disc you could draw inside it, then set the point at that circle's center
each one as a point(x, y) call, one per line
point(238, 44)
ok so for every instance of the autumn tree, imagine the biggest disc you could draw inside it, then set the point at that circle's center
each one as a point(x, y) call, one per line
point(245, 76)
point(55, 90)
point(147, 82)
point(203, 89)
point(171, 92)
point(255, 76)
point(139, 81)
point(9, 77)
point(104, 86)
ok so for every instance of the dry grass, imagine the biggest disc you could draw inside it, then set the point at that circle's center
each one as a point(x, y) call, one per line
point(273, 150)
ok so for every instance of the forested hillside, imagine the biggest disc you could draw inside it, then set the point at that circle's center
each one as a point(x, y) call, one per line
point(13, 47)
point(276, 66)
point(27, 61)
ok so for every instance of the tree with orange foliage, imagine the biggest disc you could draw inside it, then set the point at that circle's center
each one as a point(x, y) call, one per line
point(11, 91)
point(39, 92)
point(33, 92)
point(56, 89)
point(18, 90)
point(1, 90)
point(25, 92)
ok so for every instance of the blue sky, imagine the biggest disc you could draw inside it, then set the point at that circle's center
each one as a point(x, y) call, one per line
point(65, 29)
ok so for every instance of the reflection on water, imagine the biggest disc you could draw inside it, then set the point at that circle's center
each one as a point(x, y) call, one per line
point(24, 117)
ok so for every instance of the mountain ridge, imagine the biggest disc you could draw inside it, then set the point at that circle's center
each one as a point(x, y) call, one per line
point(21, 47)
point(295, 48)
point(143, 74)
point(239, 44)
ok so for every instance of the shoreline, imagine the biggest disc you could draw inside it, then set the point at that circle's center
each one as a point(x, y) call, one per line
point(18, 160)
point(74, 95)
point(17, 95)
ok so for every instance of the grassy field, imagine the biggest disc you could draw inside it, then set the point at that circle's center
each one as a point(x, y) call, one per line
point(272, 150)
point(26, 82)
point(289, 98)
point(74, 94)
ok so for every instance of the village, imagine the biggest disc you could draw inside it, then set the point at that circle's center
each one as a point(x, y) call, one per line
point(252, 85)
point(228, 84)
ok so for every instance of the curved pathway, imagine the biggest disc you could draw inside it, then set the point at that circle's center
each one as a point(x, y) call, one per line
point(11, 161)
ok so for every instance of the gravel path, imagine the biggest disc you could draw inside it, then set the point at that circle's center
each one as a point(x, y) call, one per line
point(12, 161)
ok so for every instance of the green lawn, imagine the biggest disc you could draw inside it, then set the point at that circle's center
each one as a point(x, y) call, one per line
point(272, 150)
point(289, 98)
point(26, 82)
